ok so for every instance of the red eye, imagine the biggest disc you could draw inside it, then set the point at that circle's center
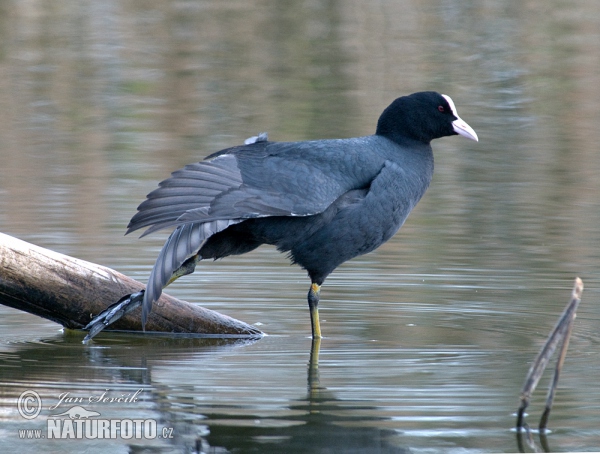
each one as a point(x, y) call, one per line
point(441, 108)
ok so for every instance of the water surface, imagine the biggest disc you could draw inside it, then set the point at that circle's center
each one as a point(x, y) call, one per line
point(428, 339)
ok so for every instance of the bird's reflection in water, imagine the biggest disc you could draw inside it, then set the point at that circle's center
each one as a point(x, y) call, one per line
point(313, 370)
point(321, 424)
point(315, 422)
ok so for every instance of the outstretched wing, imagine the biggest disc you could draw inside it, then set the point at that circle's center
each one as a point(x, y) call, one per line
point(256, 180)
point(239, 183)
point(183, 243)
point(193, 188)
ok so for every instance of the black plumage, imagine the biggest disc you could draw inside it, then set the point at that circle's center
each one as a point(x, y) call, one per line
point(323, 201)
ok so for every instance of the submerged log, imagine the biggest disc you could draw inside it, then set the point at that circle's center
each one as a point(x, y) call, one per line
point(71, 291)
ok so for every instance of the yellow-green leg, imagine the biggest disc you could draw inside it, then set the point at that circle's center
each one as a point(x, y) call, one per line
point(313, 305)
point(188, 267)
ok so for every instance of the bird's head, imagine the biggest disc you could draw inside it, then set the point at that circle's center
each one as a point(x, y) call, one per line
point(423, 116)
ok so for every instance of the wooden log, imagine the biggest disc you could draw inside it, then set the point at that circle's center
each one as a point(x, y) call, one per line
point(70, 292)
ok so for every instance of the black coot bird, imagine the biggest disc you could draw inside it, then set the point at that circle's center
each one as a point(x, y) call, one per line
point(322, 201)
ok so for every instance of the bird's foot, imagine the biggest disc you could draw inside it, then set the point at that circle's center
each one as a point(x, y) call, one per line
point(113, 313)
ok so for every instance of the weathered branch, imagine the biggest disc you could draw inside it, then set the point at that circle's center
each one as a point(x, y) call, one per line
point(70, 291)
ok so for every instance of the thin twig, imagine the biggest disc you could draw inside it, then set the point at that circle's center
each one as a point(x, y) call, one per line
point(560, 334)
point(561, 359)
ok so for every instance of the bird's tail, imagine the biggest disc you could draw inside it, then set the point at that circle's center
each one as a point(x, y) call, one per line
point(177, 258)
point(113, 313)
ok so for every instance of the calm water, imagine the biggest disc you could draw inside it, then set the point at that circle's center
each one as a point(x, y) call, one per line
point(428, 339)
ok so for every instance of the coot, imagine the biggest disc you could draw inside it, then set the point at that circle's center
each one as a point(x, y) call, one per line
point(322, 201)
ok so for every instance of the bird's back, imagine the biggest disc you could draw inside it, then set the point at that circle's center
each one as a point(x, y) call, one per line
point(380, 183)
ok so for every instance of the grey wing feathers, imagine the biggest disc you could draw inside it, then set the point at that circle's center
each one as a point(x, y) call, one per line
point(206, 197)
point(183, 243)
point(215, 190)
point(192, 188)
